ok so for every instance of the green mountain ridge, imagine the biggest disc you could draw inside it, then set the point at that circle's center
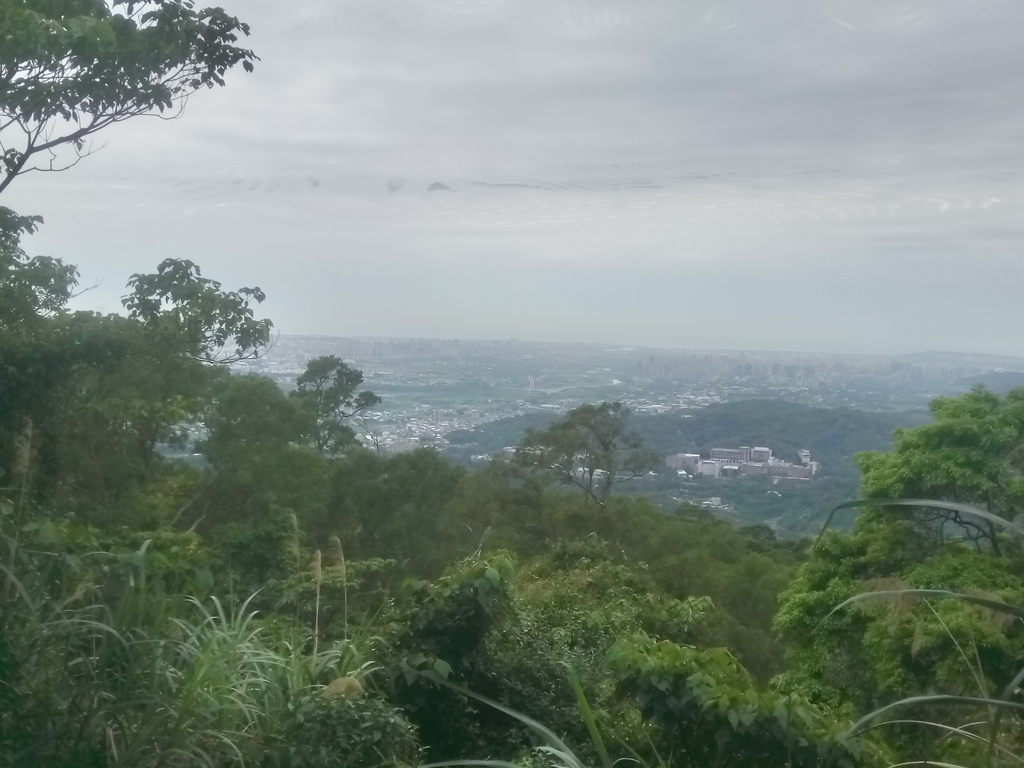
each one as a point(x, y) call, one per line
point(793, 508)
point(1000, 382)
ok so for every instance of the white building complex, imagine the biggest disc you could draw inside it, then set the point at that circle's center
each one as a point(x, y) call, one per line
point(744, 460)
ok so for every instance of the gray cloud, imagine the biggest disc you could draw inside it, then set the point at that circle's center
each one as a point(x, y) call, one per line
point(811, 174)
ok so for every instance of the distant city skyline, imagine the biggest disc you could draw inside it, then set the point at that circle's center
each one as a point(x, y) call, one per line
point(432, 389)
point(987, 358)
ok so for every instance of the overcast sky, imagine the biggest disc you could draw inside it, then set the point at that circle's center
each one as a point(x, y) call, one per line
point(812, 175)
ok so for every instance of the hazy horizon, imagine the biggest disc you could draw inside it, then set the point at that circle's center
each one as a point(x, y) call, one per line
point(817, 175)
point(613, 347)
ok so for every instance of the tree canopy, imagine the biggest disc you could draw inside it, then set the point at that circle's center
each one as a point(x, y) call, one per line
point(973, 452)
point(327, 388)
point(70, 68)
point(591, 449)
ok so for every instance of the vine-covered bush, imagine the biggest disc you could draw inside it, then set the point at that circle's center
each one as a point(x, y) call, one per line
point(438, 629)
point(568, 607)
point(885, 649)
point(343, 733)
point(710, 712)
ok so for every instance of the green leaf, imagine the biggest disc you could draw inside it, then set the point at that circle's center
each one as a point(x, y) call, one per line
point(443, 668)
point(204, 579)
point(49, 534)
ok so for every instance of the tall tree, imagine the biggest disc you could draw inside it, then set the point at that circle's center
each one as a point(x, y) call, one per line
point(392, 507)
point(973, 453)
point(102, 391)
point(30, 287)
point(70, 68)
point(328, 388)
point(254, 448)
point(193, 315)
point(590, 448)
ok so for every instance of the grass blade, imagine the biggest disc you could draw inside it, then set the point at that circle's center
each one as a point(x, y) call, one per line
point(984, 602)
point(928, 700)
point(994, 733)
point(529, 722)
point(963, 509)
point(588, 717)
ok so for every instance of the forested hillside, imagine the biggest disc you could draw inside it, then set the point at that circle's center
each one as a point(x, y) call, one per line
point(833, 435)
point(295, 599)
point(998, 381)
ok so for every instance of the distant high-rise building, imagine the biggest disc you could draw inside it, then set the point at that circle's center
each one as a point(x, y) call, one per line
point(402, 444)
point(762, 455)
point(712, 468)
point(687, 461)
point(731, 454)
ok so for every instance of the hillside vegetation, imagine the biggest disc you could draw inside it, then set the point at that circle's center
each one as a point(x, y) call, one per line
point(833, 435)
point(295, 600)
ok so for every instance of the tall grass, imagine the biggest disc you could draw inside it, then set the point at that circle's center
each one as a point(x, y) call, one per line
point(144, 679)
point(556, 752)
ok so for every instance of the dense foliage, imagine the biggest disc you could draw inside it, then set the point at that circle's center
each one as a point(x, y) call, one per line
point(200, 569)
point(910, 644)
point(71, 68)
